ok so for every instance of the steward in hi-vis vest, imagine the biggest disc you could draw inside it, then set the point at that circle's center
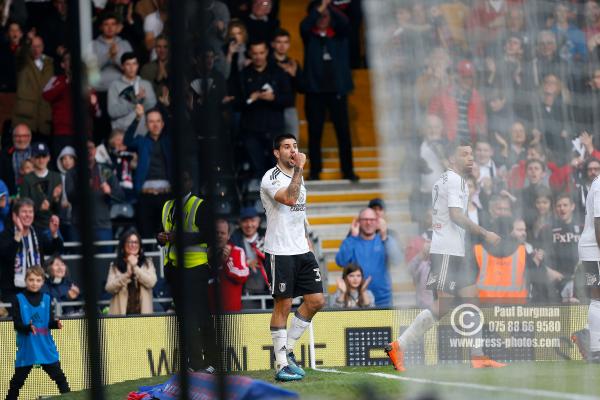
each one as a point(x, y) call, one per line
point(189, 285)
point(195, 254)
point(506, 273)
point(502, 277)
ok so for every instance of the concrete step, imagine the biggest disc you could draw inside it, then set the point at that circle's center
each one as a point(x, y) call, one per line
point(335, 173)
point(357, 152)
point(338, 196)
point(347, 219)
point(343, 184)
point(358, 162)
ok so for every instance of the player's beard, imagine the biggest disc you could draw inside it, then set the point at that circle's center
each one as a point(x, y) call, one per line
point(467, 169)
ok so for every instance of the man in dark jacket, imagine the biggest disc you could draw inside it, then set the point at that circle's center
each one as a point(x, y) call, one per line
point(153, 173)
point(42, 186)
point(263, 94)
point(328, 81)
point(12, 157)
point(261, 23)
point(22, 247)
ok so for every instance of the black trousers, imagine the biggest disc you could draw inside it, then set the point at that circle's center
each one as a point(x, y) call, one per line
point(316, 106)
point(149, 213)
point(190, 295)
point(54, 371)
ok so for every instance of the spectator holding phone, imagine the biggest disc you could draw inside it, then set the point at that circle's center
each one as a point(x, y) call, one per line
point(127, 92)
point(263, 93)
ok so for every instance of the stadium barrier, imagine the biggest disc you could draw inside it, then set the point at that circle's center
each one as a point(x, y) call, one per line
point(144, 346)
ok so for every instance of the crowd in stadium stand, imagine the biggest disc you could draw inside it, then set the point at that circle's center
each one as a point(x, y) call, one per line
point(518, 79)
point(243, 68)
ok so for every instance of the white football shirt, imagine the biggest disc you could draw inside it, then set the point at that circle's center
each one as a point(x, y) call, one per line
point(588, 247)
point(286, 232)
point(450, 190)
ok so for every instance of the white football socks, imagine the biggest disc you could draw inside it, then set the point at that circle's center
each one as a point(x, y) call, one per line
point(297, 327)
point(279, 337)
point(419, 326)
point(594, 324)
point(477, 349)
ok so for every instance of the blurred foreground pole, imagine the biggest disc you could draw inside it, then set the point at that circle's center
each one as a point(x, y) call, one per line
point(177, 62)
point(80, 21)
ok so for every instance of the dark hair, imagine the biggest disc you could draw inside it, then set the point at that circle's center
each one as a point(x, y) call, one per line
point(590, 160)
point(453, 146)
point(350, 268)
point(129, 55)
point(108, 15)
point(22, 202)
point(257, 42)
point(280, 138)
point(120, 262)
point(64, 55)
point(564, 195)
point(280, 32)
point(312, 4)
point(535, 161)
point(51, 261)
point(154, 110)
point(162, 36)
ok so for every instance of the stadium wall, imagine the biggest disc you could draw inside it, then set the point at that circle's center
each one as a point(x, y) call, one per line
point(139, 347)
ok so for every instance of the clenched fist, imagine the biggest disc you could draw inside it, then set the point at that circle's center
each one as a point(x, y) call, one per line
point(299, 159)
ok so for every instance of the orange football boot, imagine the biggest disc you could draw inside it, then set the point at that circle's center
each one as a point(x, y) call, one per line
point(396, 355)
point(485, 362)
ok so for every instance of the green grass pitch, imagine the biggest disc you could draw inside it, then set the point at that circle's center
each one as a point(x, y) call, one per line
point(543, 380)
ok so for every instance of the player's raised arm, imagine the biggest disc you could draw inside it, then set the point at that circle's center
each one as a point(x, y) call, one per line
point(289, 195)
point(458, 216)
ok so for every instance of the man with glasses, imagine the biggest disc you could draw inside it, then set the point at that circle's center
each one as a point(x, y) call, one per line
point(12, 157)
point(370, 246)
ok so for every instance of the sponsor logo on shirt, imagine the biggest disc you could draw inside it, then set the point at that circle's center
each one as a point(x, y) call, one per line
point(298, 207)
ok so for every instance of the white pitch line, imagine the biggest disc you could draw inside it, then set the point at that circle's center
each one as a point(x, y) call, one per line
point(475, 386)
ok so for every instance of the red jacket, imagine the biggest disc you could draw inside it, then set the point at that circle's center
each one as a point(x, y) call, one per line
point(231, 278)
point(57, 92)
point(444, 106)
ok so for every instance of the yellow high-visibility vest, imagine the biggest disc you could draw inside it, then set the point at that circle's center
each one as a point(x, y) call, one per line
point(194, 255)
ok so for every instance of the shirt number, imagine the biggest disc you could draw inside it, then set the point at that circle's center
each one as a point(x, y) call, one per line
point(318, 274)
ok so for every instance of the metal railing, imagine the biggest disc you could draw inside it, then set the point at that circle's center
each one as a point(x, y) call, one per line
point(263, 298)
